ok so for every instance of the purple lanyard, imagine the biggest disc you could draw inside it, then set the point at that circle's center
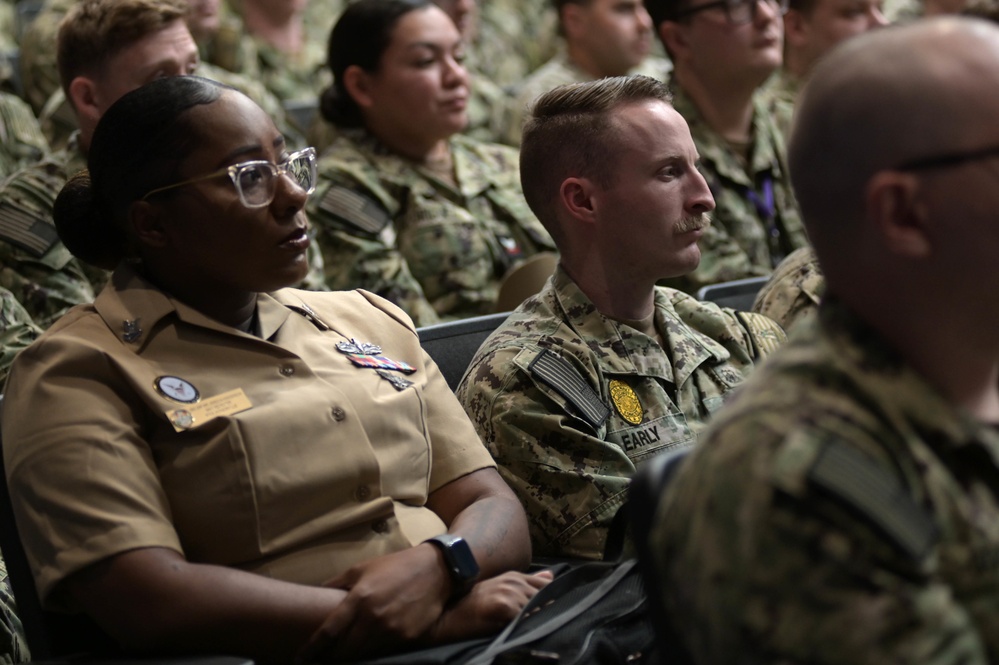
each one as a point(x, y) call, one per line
point(764, 204)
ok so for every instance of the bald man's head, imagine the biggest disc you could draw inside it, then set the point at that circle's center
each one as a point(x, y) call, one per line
point(883, 99)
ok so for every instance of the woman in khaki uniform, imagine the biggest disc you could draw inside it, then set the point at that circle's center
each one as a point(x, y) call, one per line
point(204, 460)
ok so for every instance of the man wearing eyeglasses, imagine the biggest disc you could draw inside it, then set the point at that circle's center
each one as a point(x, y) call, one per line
point(723, 51)
point(844, 508)
point(811, 29)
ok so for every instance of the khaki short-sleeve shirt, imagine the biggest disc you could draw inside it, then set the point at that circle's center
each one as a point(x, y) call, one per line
point(139, 422)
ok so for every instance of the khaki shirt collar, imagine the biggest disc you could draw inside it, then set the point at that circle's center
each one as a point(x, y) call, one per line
point(132, 307)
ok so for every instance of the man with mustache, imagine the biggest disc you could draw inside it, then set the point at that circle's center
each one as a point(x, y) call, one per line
point(603, 369)
point(723, 52)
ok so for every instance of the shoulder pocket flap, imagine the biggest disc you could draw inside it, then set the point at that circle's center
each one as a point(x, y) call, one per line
point(766, 334)
point(564, 379)
point(876, 495)
point(355, 209)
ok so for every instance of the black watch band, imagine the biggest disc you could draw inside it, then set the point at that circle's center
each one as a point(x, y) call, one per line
point(461, 565)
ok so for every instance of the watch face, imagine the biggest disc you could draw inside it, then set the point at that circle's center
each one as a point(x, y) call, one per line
point(464, 563)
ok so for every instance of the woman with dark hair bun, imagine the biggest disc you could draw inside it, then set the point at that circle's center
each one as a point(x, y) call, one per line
point(406, 206)
point(204, 460)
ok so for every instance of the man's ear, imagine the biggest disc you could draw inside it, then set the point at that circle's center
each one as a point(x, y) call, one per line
point(146, 222)
point(357, 82)
point(674, 37)
point(576, 196)
point(84, 96)
point(898, 213)
point(795, 28)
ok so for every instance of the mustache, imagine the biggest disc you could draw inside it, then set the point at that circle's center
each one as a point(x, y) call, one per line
point(692, 223)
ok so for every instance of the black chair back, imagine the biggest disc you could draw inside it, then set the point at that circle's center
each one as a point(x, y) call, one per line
point(738, 294)
point(452, 345)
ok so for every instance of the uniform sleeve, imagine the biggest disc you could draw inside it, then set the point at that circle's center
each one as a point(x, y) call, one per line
point(356, 234)
point(760, 567)
point(569, 480)
point(794, 291)
point(34, 264)
point(82, 479)
point(17, 331)
point(23, 142)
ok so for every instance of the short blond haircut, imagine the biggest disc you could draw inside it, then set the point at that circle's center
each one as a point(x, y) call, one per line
point(95, 30)
point(569, 133)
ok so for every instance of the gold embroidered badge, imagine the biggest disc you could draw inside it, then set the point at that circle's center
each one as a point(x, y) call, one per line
point(626, 402)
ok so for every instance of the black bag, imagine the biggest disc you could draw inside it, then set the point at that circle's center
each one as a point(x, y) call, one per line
point(590, 614)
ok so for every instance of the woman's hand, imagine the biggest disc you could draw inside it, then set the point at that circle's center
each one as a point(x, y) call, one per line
point(488, 607)
point(392, 599)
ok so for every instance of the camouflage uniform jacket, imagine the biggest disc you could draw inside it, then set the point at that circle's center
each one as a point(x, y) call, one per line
point(34, 264)
point(569, 402)
point(392, 227)
point(21, 139)
point(794, 291)
point(756, 222)
point(17, 331)
point(13, 641)
point(840, 510)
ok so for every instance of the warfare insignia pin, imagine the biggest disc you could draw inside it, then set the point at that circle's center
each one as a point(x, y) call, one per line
point(626, 402)
point(398, 382)
point(177, 389)
point(131, 330)
point(363, 348)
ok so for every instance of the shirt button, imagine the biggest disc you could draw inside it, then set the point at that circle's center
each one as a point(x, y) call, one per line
point(363, 493)
point(287, 370)
point(338, 414)
point(380, 526)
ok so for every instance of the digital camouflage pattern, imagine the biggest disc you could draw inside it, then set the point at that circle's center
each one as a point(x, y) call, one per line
point(794, 291)
point(17, 331)
point(560, 71)
point(839, 511)
point(397, 229)
point(21, 139)
point(293, 77)
point(745, 239)
point(487, 109)
point(514, 38)
point(570, 454)
point(34, 264)
point(39, 73)
point(13, 641)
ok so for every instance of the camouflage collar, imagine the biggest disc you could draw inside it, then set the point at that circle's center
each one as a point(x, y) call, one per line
point(619, 349)
point(716, 153)
point(473, 174)
point(899, 394)
point(132, 307)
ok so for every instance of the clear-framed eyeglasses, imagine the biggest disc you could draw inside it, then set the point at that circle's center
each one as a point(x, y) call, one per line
point(737, 12)
point(256, 181)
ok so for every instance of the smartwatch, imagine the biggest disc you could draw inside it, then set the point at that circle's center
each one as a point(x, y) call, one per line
point(461, 565)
